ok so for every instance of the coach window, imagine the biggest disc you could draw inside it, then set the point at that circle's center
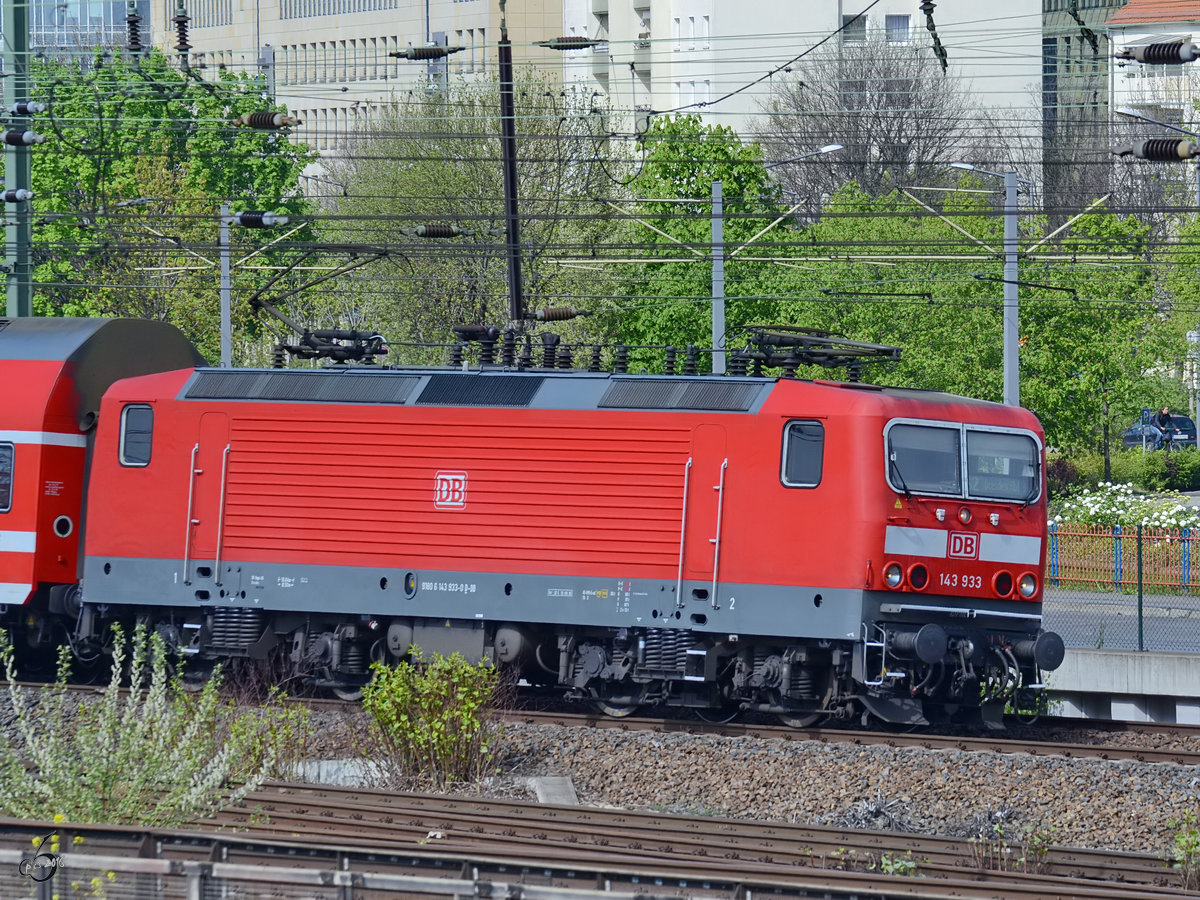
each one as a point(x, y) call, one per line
point(137, 434)
point(803, 454)
point(925, 459)
point(6, 477)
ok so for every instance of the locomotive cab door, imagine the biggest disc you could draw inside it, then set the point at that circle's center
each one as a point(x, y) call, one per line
point(209, 473)
point(707, 480)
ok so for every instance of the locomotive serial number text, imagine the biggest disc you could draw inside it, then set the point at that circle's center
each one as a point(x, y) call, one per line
point(953, 579)
point(449, 586)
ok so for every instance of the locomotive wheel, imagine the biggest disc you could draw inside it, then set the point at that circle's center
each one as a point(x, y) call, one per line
point(719, 715)
point(801, 721)
point(348, 693)
point(195, 676)
point(615, 710)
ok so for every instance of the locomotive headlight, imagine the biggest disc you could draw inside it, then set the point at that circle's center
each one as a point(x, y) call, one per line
point(1027, 585)
point(893, 575)
point(964, 515)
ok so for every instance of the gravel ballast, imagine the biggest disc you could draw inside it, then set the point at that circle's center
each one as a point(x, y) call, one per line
point(1081, 802)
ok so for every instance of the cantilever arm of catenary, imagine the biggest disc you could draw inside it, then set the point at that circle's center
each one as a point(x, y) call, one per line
point(956, 227)
point(1067, 224)
point(765, 230)
point(657, 230)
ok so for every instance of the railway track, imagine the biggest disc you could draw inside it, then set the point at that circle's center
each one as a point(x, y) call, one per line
point(1045, 738)
point(968, 742)
point(486, 841)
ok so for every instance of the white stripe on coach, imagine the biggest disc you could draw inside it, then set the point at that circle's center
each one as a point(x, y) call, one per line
point(13, 594)
point(44, 438)
point(17, 541)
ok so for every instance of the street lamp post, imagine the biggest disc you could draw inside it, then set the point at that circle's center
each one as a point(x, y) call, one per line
point(249, 219)
point(828, 148)
point(1131, 113)
point(1011, 329)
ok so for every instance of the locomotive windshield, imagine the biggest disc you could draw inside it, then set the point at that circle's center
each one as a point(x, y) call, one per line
point(962, 461)
point(1001, 465)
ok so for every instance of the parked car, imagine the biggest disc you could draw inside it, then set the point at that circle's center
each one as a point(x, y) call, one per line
point(1149, 436)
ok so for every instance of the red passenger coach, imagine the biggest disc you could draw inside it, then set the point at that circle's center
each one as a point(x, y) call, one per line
point(724, 543)
point(54, 372)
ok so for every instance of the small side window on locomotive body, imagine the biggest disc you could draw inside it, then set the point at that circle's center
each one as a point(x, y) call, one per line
point(6, 476)
point(137, 434)
point(803, 454)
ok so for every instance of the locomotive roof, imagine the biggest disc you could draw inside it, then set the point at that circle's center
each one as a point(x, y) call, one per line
point(534, 389)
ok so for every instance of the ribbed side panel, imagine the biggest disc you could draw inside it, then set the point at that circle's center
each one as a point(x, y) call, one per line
point(532, 492)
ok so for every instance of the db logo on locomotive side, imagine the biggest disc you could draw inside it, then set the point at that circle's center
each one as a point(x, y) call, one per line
point(964, 545)
point(450, 490)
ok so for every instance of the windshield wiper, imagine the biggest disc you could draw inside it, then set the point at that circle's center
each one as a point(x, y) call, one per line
point(1036, 486)
point(894, 468)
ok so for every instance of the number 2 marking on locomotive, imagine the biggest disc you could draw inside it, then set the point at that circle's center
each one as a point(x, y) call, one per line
point(732, 601)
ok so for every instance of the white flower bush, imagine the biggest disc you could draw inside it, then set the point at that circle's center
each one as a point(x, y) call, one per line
point(1118, 504)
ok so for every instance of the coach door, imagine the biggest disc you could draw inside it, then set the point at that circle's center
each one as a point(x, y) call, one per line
point(707, 478)
point(209, 473)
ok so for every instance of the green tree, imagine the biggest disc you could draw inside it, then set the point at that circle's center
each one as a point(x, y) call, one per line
point(670, 225)
point(434, 157)
point(128, 185)
point(1095, 351)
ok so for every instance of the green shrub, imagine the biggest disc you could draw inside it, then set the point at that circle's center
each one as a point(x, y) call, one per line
point(149, 755)
point(435, 717)
point(1062, 477)
point(1149, 471)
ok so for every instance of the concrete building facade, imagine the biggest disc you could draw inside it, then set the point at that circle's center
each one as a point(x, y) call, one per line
point(329, 62)
point(714, 56)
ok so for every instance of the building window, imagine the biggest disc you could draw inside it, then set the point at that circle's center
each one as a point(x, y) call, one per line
point(899, 29)
point(854, 29)
point(137, 434)
point(803, 454)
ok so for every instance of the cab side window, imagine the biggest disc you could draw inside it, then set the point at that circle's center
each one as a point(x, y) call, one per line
point(137, 434)
point(803, 454)
point(6, 477)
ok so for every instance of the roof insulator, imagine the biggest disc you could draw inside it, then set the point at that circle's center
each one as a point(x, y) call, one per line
point(1159, 54)
point(259, 219)
point(437, 231)
point(266, 121)
point(434, 52)
point(15, 137)
point(571, 42)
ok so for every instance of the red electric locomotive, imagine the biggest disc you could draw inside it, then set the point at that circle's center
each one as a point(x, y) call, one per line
point(724, 543)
